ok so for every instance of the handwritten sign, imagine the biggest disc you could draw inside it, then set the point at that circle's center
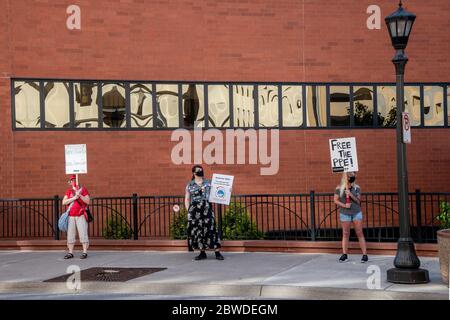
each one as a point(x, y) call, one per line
point(221, 186)
point(76, 158)
point(343, 155)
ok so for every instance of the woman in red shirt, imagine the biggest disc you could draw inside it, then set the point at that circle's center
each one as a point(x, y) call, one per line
point(77, 198)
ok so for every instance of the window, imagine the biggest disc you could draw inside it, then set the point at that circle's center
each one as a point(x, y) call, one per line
point(86, 104)
point(433, 105)
point(340, 106)
point(167, 105)
point(27, 104)
point(363, 106)
point(83, 104)
point(219, 106)
point(387, 108)
point(448, 105)
point(292, 106)
point(141, 105)
point(316, 107)
point(193, 106)
point(57, 104)
point(412, 104)
point(113, 105)
point(268, 106)
point(243, 106)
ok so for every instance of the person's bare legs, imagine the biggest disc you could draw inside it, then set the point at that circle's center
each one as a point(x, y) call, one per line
point(346, 225)
point(70, 246)
point(85, 247)
point(360, 234)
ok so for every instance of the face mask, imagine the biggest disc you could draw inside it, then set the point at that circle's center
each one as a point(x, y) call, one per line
point(199, 173)
point(351, 179)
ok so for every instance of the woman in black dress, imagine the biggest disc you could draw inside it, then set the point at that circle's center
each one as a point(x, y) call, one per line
point(202, 233)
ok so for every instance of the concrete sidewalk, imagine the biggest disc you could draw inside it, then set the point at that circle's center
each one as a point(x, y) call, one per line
point(248, 275)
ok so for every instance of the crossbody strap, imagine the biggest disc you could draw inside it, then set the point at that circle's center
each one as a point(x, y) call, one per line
point(81, 204)
point(70, 207)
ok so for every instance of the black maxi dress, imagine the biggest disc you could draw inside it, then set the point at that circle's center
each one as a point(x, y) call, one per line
point(202, 233)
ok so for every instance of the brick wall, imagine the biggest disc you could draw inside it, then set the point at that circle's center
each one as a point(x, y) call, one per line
point(288, 40)
point(121, 163)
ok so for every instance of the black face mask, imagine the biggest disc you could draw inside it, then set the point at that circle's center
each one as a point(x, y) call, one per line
point(351, 179)
point(199, 173)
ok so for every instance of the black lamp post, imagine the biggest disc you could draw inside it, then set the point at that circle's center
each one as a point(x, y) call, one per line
point(406, 261)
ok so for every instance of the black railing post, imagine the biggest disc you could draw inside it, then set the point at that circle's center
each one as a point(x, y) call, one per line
point(56, 216)
point(312, 210)
point(219, 226)
point(135, 217)
point(419, 215)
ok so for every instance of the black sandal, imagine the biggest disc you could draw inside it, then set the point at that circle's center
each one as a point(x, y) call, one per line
point(68, 256)
point(83, 256)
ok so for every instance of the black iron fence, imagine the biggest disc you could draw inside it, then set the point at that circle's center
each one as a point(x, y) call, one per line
point(312, 216)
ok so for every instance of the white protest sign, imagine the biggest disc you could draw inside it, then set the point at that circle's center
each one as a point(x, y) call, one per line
point(221, 186)
point(406, 125)
point(343, 155)
point(76, 158)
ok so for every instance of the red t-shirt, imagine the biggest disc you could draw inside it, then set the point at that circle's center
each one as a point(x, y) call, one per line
point(78, 207)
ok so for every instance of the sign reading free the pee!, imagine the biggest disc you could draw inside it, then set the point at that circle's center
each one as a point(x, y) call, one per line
point(343, 154)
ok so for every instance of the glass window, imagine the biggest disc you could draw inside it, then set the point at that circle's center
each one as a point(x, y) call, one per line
point(340, 106)
point(412, 104)
point(27, 104)
point(268, 106)
point(292, 104)
point(363, 106)
point(86, 104)
point(114, 107)
point(243, 106)
point(167, 106)
point(316, 107)
point(193, 106)
point(433, 105)
point(448, 105)
point(219, 106)
point(387, 108)
point(57, 104)
point(141, 105)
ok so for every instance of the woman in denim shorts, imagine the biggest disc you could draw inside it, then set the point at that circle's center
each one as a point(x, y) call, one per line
point(347, 197)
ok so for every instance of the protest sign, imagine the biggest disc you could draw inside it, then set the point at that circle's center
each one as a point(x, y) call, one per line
point(343, 155)
point(221, 186)
point(76, 158)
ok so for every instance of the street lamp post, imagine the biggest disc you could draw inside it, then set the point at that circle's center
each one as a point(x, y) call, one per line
point(406, 261)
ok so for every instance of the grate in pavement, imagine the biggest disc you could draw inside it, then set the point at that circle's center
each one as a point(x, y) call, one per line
point(109, 274)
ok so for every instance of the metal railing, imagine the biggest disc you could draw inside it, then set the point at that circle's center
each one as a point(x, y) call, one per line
point(312, 216)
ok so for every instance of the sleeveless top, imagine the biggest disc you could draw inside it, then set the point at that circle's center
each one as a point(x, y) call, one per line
point(199, 193)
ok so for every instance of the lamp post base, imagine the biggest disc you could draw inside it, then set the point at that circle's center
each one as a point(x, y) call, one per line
point(408, 276)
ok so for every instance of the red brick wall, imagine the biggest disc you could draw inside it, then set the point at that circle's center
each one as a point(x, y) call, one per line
point(6, 172)
point(283, 40)
point(121, 163)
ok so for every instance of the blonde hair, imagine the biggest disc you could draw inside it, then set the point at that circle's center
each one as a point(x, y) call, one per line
point(343, 184)
point(344, 180)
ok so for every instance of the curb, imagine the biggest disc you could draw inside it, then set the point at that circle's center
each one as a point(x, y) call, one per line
point(220, 290)
point(281, 246)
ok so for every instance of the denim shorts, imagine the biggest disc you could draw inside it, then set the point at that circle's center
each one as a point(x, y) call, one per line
point(351, 218)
